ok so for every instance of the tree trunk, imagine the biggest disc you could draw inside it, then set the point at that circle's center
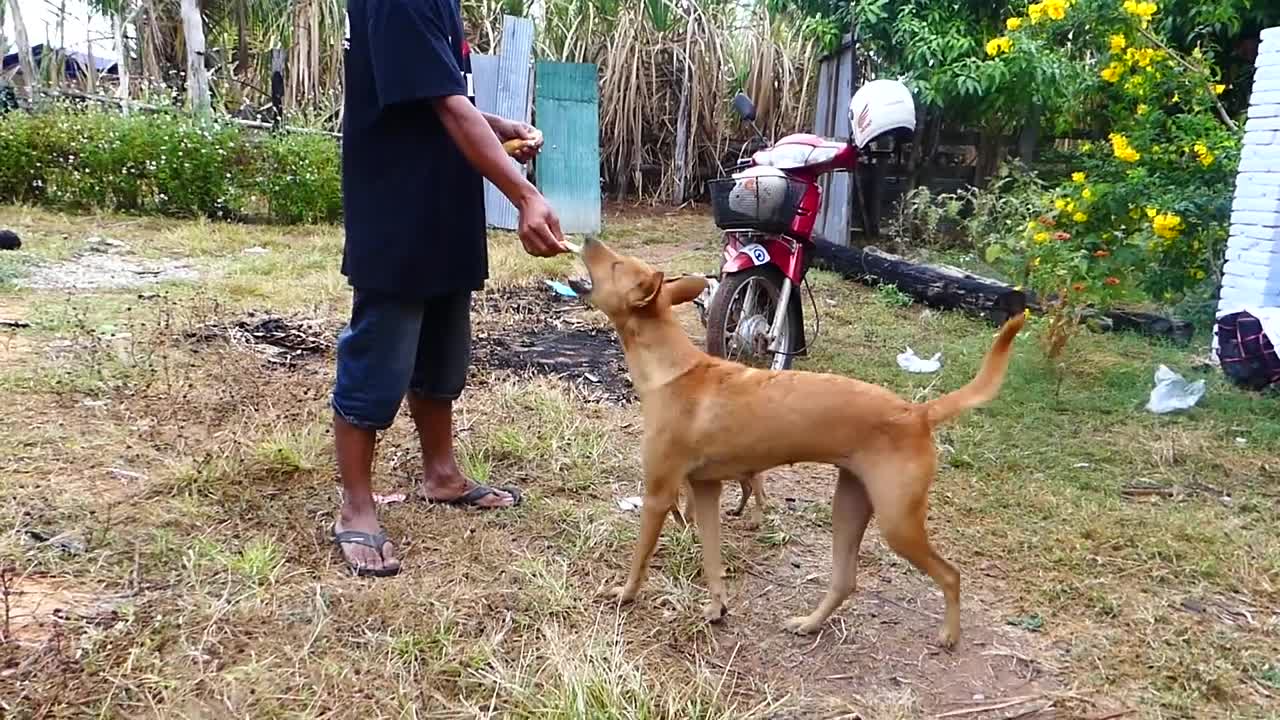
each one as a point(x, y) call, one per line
point(93, 64)
point(25, 59)
point(119, 21)
point(242, 38)
point(197, 75)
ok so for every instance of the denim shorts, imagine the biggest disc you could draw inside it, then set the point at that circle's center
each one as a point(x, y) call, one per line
point(393, 345)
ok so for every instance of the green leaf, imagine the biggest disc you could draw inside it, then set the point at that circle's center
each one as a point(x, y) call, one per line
point(995, 252)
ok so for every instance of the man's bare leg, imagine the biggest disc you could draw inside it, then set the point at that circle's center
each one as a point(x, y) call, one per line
point(442, 479)
point(354, 447)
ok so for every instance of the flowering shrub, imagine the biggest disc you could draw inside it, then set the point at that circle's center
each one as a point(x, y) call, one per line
point(300, 178)
point(167, 165)
point(1144, 214)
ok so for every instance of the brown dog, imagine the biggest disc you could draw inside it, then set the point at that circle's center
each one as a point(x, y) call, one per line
point(707, 421)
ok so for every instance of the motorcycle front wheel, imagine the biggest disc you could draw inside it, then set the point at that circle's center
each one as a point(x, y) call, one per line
point(741, 313)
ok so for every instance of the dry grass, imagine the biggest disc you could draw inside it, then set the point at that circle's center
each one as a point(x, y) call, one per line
point(172, 497)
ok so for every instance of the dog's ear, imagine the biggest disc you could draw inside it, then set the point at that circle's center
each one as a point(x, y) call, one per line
point(682, 290)
point(646, 291)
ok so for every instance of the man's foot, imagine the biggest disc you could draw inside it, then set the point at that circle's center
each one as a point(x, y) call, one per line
point(455, 489)
point(364, 546)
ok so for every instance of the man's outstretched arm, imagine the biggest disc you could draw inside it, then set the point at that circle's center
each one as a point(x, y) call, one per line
point(478, 140)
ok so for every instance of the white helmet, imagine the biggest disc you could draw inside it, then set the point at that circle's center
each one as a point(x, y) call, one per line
point(758, 192)
point(879, 107)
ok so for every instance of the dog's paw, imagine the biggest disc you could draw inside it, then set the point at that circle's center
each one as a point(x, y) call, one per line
point(948, 638)
point(714, 611)
point(621, 594)
point(802, 625)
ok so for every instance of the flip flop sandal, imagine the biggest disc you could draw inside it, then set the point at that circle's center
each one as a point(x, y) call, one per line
point(473, 496)
point(375, 541)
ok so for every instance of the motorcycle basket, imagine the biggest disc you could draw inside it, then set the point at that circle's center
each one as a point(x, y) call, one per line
point(747, 204)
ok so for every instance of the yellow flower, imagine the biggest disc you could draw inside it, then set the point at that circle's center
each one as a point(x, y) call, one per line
point(1121, 148)
point(1077, 177)
point(1117, 43)
point(1071, 206)
point(1203, 154)
point(1142, 109)
point(1087, 194)
point(1060, 203)
point(1035, 262)
point(1143, 10)
point(1035, 12)
point(1112, 72)
point(1013, 23)
point(1042, 237)
point(1080, 217)
point(1219, 88)
point(1152, 212)
point(1167, 225)
point(1032, 225)
point(1056, 9)
point(1086, 147)
point(995, 46)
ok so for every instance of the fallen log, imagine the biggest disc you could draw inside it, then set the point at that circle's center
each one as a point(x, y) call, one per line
point(950, 288)
point(937, 286)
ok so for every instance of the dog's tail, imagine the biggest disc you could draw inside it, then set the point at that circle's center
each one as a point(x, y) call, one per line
point(983, 388)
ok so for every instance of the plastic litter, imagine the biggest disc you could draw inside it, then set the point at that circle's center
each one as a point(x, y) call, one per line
point(913, 363)
point(630, 504)
point(561, 289)
point(1173, 393)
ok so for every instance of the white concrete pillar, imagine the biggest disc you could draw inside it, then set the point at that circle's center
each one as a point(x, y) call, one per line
point(1251, 276)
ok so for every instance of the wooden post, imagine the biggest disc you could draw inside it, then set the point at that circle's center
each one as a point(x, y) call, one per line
point(1029, 138)
point(197, 75)
point(277, 87)
point(25, 59)
point(682, 118)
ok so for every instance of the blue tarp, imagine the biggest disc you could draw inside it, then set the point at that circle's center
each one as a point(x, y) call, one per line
point(75, 63)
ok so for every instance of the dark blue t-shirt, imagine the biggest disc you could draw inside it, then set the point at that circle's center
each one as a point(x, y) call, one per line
point(414, 206)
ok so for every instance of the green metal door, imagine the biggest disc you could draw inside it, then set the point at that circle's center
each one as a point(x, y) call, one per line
point(567, 109)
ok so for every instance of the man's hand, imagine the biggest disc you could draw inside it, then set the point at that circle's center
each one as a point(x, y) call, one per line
point(540, 228)
point(512, 130)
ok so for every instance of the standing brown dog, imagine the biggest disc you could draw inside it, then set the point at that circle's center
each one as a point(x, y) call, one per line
point(707, 421)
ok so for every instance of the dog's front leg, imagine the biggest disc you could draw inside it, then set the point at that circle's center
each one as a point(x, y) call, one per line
point(659, 498)
point(706, 508)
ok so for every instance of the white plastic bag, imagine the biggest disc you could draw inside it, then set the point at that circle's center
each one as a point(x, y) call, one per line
point(913, 363)
point(1173, 393)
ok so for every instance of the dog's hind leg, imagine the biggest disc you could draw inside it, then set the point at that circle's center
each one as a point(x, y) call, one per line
point(902, 523)
point(752, 485)
point(850, 513)
point(706, 508)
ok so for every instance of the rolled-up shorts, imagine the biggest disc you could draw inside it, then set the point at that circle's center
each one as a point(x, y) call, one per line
point(394, 345)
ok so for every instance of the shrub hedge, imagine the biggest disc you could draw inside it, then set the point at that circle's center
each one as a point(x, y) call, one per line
point(168, 165)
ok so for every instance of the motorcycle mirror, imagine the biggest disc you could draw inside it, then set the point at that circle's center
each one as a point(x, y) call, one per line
point(744, 107)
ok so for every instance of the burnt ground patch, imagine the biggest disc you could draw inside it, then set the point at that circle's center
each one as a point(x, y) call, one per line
point(528, 330)
point(531, 331)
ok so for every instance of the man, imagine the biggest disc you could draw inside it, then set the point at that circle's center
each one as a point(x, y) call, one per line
point(414, 150)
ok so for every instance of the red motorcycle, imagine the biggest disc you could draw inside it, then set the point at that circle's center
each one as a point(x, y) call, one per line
point(767, 211)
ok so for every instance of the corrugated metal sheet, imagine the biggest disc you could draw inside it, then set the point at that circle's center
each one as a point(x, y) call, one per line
point(506, 83)
point(567, 102)
point(835, 90)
